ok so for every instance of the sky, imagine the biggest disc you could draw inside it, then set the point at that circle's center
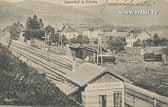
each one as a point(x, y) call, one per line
point(52, 1)
point(12, 0)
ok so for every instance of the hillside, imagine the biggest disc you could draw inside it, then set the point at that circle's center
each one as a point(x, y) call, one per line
point(56, 13)
point(51, 13)
point(10, 13)
point(23, 86)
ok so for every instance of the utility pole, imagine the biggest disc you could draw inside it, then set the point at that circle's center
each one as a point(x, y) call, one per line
point(99, 50)
point(61, 40)
point(61, 43)
point(47, 40)
point(47, 44)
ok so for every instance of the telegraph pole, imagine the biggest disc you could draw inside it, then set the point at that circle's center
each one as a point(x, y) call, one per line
point(99, 50)
point(47, 45)
point(47, 40)
point(61, 42)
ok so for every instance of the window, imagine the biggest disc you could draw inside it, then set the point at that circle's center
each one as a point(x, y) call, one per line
point(117, 99)
point(102, 101)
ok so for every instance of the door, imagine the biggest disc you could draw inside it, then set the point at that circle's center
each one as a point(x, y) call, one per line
point(102, 101)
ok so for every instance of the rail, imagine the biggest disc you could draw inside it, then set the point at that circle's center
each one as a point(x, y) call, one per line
point(145, 94)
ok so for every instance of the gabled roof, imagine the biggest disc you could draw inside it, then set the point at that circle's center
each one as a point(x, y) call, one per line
point(69, 29)
point(85, 73)
point(138, 33)
point(88, 72)
point(116, 34)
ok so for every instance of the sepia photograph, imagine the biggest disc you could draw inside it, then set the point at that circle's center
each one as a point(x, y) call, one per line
point(83, 53)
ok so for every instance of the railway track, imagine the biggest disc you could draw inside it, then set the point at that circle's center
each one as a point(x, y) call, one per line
point(56, 58)
point(63, 62)
point(51, 72)
point(61, 69)
point(56, 69)
point(144, 95)
point(46, 58)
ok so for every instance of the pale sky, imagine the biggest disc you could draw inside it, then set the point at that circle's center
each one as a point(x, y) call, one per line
point(12, 0)
point(52, 1)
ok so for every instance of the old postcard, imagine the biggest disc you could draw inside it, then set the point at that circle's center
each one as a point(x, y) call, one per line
point(83, 53)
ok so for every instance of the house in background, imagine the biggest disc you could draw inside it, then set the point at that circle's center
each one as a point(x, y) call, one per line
point(92, 34)
point(134, 36)
point(70, 32)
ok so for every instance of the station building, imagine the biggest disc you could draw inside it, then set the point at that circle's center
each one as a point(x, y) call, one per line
point(95, 86)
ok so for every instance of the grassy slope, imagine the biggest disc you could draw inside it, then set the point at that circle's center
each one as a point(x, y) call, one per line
point(20, 85)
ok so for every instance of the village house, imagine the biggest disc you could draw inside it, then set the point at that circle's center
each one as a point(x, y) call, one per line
point(134, 36)
point(94, 34)
point(114, 35)
point(70, 32)
point(59, 27)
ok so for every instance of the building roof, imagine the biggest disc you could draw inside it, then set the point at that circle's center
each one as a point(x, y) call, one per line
point(89, 47)
point(68, 88)
point(87, 72)
point(69, 29)
point(116, 34)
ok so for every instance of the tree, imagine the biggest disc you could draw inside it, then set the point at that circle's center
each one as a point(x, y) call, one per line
point(29, 23)
point(35, 17)
point(35, 23)
point(156, 40)
point(55, 38)
point(34, 27)
point(85, 39)
point(73, 40)
point(49, 29)
point(41, 23)
point(79, 39)
point(117, 44)
point(137, 43)
point(147, 43)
